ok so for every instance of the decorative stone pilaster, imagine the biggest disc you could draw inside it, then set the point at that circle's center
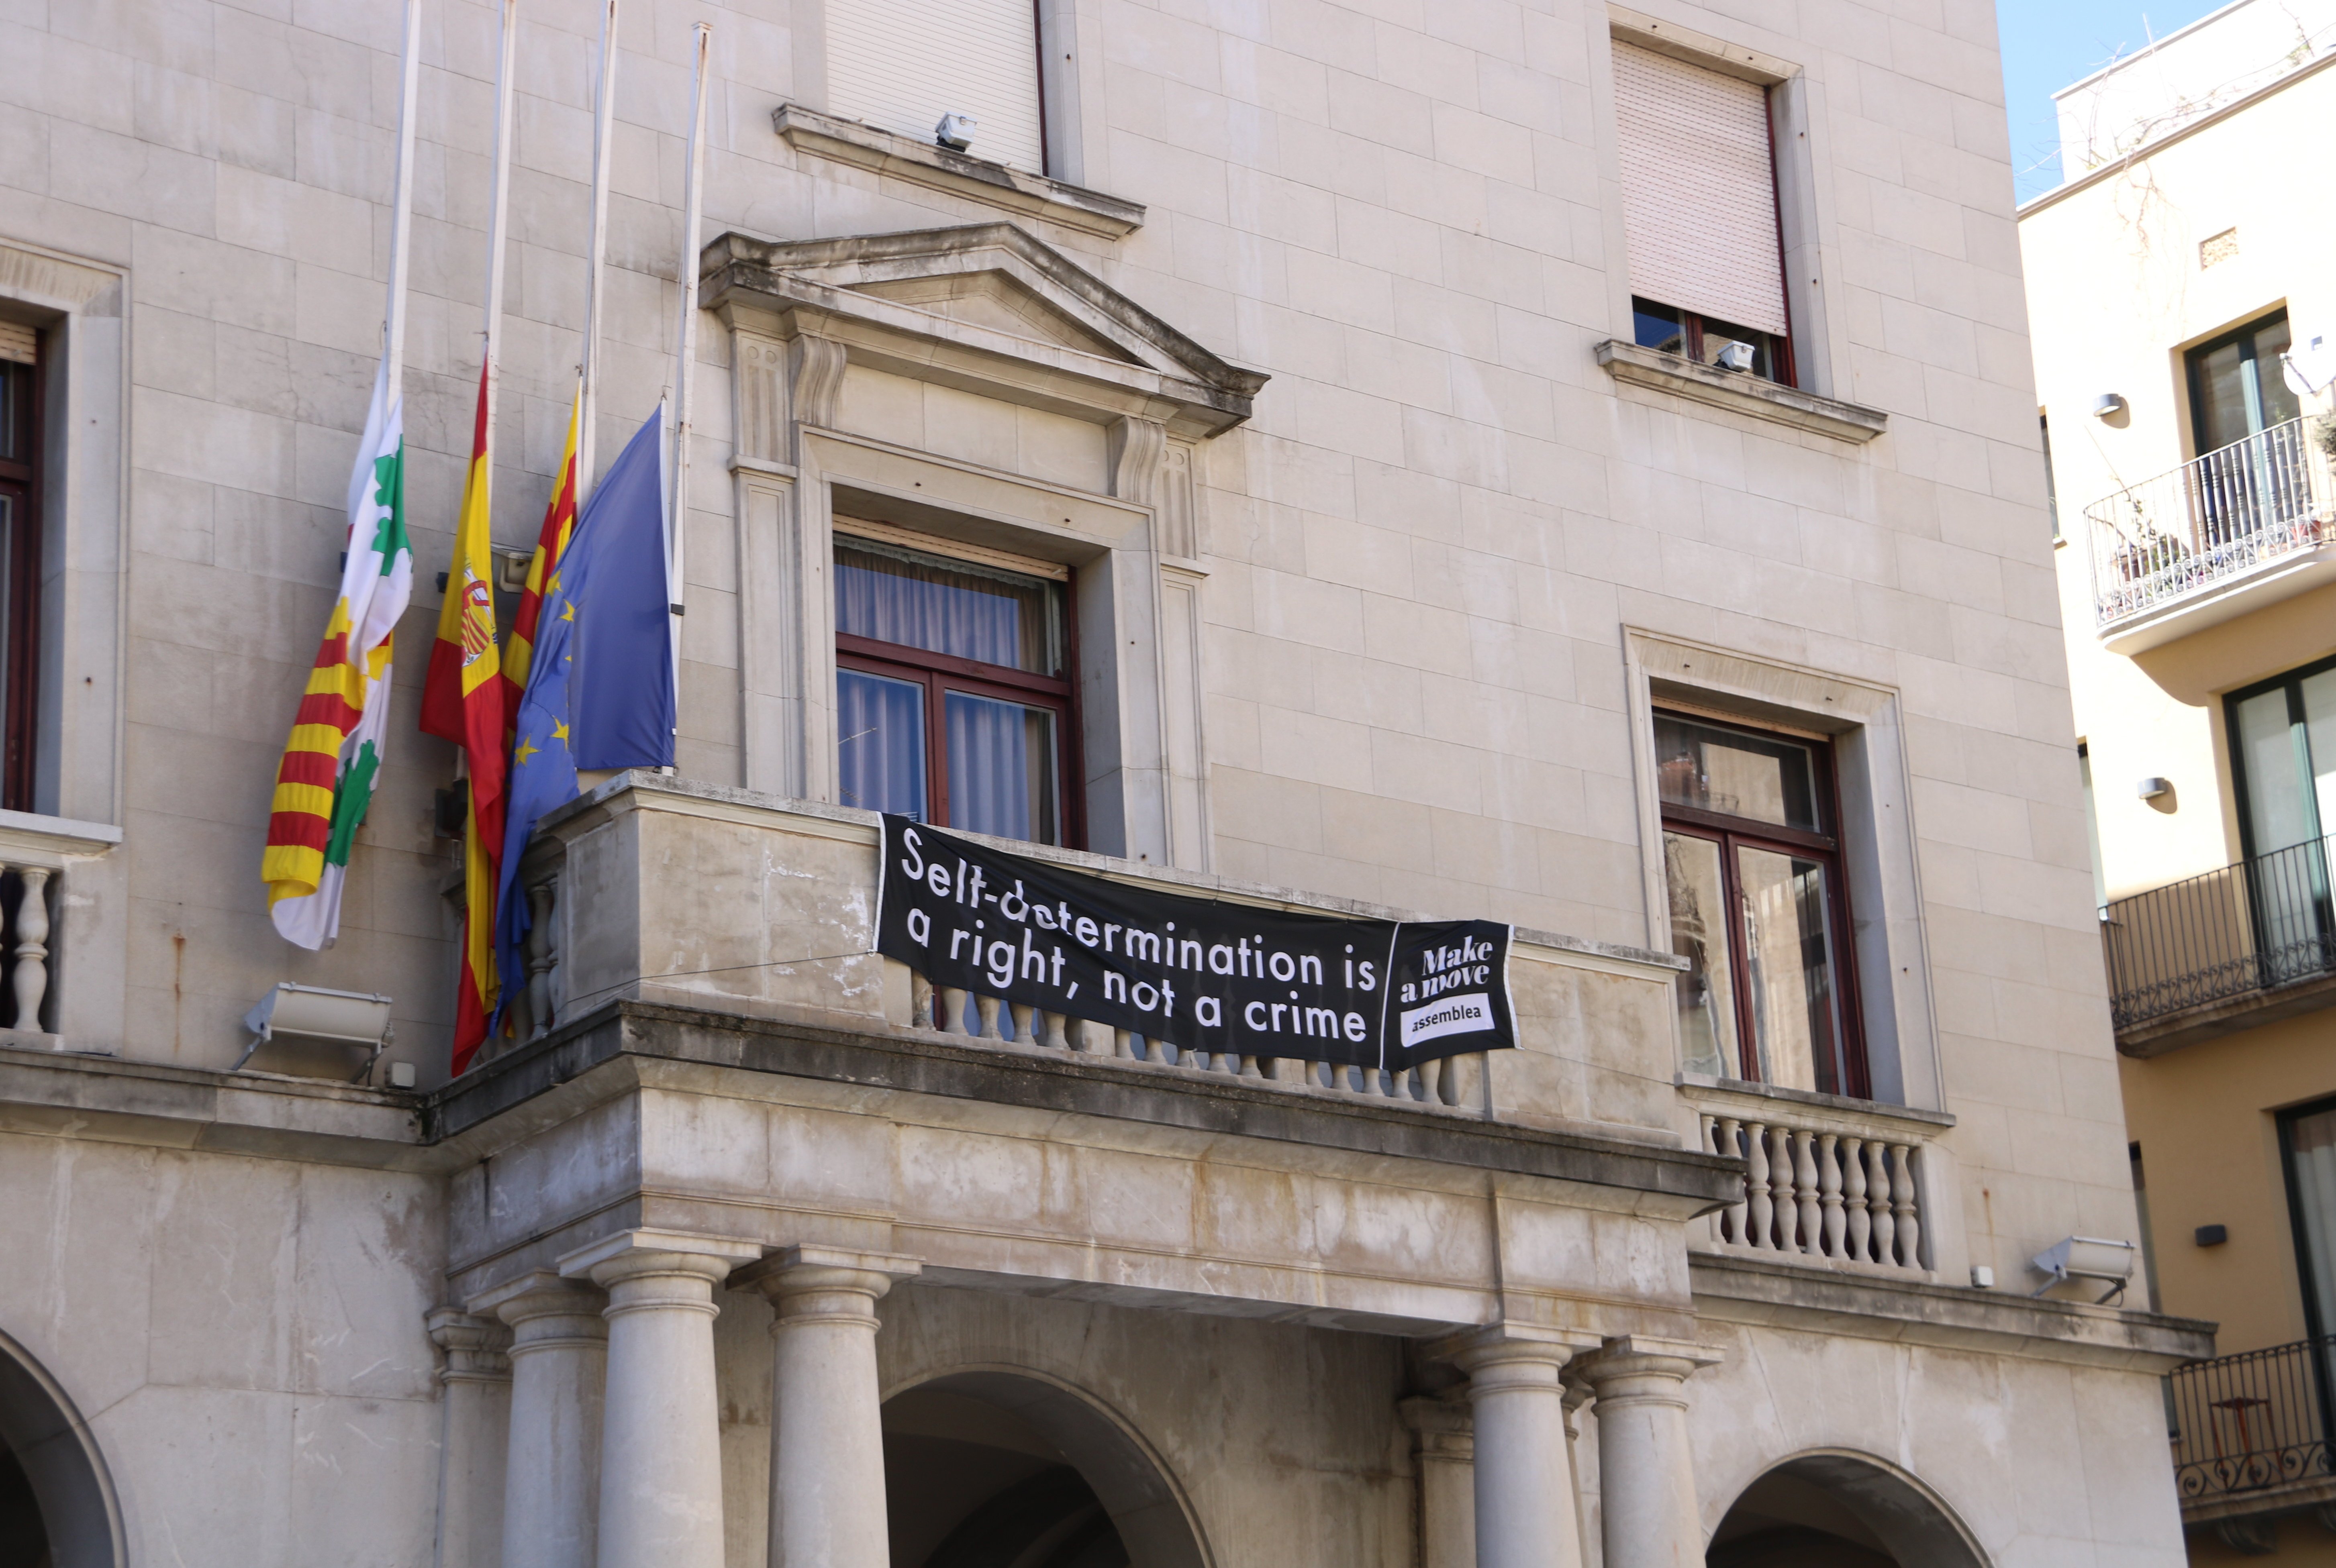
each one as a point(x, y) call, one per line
point(1444, 1449)
point(661, 1427)
point(1527, 1514)
point(827, 1444)
point(1646, 1470)
point(551, 1465)
point(473, 1433)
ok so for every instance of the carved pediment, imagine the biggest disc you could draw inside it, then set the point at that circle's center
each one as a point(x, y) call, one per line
point(983, 302)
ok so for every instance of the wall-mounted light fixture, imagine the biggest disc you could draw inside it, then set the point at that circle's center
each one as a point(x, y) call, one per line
point(2108, 406)
point(2154, 787)
point(311, 1014)
point(2086, 1258)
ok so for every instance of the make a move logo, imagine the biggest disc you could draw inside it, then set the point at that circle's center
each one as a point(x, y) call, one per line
point(1469, 963)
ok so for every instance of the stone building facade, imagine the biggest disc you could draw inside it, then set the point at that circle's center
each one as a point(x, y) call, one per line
point(1567, 465)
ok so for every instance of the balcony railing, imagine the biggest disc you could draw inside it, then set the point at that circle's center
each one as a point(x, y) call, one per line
point(2265, 923)
point(2252, 1423)
point(2214, 518)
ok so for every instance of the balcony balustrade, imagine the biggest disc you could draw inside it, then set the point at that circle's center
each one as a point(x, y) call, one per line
point(2207, 540)
point(2250, 1431)
point(2220, 948)
point(661, 890)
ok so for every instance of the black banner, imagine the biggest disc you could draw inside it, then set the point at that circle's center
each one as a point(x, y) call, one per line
point(1198, 974)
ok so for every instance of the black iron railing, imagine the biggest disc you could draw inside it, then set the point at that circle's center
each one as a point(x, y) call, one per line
point(2253, 1422)
point(2262, 923)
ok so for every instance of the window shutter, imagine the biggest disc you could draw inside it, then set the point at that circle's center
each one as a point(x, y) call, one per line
point(901, 65)
point(1698, 190)
point(17, 341)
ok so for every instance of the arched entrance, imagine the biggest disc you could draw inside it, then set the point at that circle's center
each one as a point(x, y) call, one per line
point(1004, 1469)
point(57, 1504)
point(1837, 1510)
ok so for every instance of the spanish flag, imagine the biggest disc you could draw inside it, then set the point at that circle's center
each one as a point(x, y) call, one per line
point(333, 759)
point(462, 701)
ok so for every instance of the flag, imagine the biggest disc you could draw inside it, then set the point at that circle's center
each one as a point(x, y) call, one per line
point(599, 681)
point(462, 701)
point(552, 543)
point(333, 759)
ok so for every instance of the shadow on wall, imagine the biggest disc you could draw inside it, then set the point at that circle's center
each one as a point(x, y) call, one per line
point(57, 1508)
point(1839, 1511)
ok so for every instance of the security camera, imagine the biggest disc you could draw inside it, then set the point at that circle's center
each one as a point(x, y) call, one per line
point(1736, 356)
point(956, 130)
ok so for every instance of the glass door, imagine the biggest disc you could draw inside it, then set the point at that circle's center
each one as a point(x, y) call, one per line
point(2242, 485)
point(2283, 755)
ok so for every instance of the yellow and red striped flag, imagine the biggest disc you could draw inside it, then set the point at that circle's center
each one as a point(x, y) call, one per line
point(551, 544)
point(462, 701)
point(333, 759)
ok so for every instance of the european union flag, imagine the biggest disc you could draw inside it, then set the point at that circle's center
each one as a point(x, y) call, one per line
point(600, 687)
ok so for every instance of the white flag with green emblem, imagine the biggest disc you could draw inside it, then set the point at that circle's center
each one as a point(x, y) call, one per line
point(332, 760)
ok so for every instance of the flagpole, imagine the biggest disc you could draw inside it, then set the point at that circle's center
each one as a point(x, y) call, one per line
point(498, 225)
point(604, 126)
point(400, 220)
point(686, 360)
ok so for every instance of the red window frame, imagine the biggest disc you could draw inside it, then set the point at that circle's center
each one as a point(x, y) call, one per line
point(1731, 833)
point(940, 674)
point(20, 479)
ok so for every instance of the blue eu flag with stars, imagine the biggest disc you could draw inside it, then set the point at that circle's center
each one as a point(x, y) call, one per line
point(599, 689)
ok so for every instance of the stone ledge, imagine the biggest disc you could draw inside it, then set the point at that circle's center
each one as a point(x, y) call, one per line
point(1681, 1183)
point(1825, 1112)
point(1756, 1294)
point(65, 1095)
point(2213, 1020)
point(1740, 393)
point(937, 167)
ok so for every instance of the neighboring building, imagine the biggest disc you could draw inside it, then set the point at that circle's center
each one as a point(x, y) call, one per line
point(2198, 588)
point(1558, 464)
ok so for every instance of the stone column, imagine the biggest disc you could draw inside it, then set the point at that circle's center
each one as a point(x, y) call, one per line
point(1443, 1447)
point(1527, 1515)
point(1645, 1472)
point(551, 1467)
point(1578, 1393)
point(661, 1427)
point(473, 1434)
point(827, 1443)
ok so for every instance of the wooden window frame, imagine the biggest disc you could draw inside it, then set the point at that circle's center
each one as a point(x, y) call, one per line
point(1732, 832)
point(20, 685)
point(940, 674)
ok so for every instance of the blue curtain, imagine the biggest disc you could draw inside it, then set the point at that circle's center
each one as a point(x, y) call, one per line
point(1001, 768)
point(880, 744)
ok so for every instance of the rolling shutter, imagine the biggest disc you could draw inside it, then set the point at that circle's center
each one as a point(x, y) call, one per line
point(1699, 189)
point(901, 65)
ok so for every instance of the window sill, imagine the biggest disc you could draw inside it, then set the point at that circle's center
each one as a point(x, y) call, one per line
point(937, 167)
point(28, 837)
point(1743, 394)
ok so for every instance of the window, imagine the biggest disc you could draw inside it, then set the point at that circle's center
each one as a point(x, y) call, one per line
point(1700, 211)
point(953, 692)
point(1758, 903)
point(2307, 1140)
point(20, 559)
point(901, 65)
point(2284, 758)
point(2236, 388)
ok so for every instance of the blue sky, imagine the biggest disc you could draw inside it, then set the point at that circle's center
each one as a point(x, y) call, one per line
point(2049, 44)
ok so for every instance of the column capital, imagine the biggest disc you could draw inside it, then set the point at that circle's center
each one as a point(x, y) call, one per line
point(630, 1256)
point(1514, 1354)
point(544, 1309)
point(1441, 1428)
point(474, 1345)
point(806, 1279)
point(1637, 1367)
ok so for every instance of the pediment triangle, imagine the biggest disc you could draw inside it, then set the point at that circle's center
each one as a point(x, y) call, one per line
point(997, 299)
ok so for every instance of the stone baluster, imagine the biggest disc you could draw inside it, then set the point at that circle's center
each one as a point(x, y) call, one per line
point(661, 1426)
point(1755, 1185)
point(986, 1009)
point(1251, 1067)
point(827, 1437)
point(1805, 1189)
point(1902, 1206)
point(1829, 1192)
point(474, 1435)
point(1730, 1143)
point(1707, 1131)
point(1054, 1031)
point(559, 1359)
point(1780, 1189)
point(1877, 1188)
point(1852, 1187)
point(1019, 1013)
point(920, 1001)
point(32, 976)
point(952, 1009)
point(1159, 1050)
point(542, 953)
point(1123, 1045)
